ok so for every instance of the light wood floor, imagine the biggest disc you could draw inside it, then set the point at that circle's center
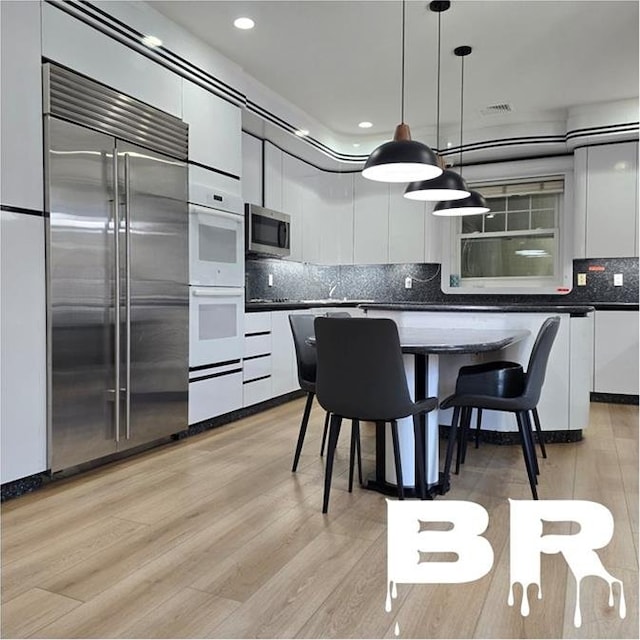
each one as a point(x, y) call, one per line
point(214, 537)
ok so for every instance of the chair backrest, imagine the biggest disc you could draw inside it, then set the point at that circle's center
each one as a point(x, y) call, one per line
point(360, 368)
point(537, 367)
point(302, 329)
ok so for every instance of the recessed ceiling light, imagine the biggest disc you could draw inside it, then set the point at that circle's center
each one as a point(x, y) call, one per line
point(365, 125)
point(244, 23)
point(356, 144)
point(302, 132)
point(152, 41)
point(449, 145)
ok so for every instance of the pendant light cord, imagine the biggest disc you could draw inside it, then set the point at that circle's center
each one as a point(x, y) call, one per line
point(438, 92)
point(461, 111)
point(402, 93)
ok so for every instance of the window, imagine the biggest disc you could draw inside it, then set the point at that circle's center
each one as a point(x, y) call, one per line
point(517, 242)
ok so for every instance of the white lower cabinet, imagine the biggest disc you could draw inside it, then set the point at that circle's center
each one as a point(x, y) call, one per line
point(23, 370)
point(214, 393)
point(283, 355)
point(616, 352)
point(256, 382)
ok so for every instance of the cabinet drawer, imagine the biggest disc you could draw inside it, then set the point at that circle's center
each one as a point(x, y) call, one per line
point(257, 368)
point(257, 345)
point(215, 396)
point(257, 391)
point(257, 322)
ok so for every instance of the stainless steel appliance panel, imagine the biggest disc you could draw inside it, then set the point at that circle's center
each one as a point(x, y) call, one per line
point(154, 254)
point(267, 232)
point(80, 254)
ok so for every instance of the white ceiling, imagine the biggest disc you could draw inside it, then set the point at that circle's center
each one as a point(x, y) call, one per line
point(340, 61)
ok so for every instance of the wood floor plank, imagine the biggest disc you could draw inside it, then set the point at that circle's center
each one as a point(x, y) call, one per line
point(190, 613)
point(31, 610)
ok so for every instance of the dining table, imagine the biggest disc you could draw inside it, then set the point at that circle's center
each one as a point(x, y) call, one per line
point(422, 348)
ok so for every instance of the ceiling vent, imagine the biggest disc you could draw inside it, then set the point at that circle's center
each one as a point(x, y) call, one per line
point(496, 109)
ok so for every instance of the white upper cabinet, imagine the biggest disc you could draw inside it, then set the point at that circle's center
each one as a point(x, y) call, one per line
point(611, 201)
point(371, 221)
point(292, 189)
point(21, 105)
point(406, 226)
point(251, 169)
point(215, 129)
point(272, 177)
point(336, 229)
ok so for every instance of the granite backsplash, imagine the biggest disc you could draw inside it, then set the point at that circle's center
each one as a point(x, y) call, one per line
point(385, 283)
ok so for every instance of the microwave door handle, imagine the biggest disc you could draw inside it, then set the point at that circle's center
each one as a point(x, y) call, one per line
point(282, 235)
point(217, 293)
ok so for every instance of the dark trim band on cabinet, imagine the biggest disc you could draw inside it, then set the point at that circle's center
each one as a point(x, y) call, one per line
point(256, 379)
point(257, 333)
point(28, 212)
point(262, 355)
point(202, 367)
point(215, 375)
point(220, 171)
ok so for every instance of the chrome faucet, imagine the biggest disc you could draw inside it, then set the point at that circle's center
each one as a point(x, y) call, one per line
point(333, 288)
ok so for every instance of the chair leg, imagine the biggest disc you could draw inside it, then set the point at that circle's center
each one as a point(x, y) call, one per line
point(464, 435)
point(303, 430)
point(420, 480)
point(325, 430)
point(536, 420)
point(478, 423)
point(526, 452)
point(352, 451)
point(334, 432)
point(451, 442)
point(356, 426)
point(532, 446)
point(396, 458)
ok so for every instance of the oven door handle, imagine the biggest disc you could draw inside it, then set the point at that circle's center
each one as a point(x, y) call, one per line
point(218, 292)
point(216, 213)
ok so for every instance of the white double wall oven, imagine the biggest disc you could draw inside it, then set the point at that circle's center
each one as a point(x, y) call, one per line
point(216, 296)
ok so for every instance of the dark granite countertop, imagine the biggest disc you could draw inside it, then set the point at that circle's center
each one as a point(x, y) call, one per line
point(615, 306)
point(574, 310)
point(290, 305)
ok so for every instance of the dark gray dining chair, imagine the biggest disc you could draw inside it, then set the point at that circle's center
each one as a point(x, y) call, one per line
point(520, 404)
point(361, 376)
point(302, 330)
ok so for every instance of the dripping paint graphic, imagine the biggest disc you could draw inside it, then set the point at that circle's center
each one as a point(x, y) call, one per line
point(409, 540)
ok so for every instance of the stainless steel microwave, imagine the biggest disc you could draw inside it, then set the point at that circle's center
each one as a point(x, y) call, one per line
point(267, 232)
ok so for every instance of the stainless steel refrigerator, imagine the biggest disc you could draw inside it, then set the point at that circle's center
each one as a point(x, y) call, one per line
point(117, 269)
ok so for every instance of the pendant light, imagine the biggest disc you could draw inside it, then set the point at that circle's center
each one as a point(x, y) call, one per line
point(402, 159)
point(449, 185)
point(474, 203)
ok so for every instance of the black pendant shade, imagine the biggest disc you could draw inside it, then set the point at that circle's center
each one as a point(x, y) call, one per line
point(401, 161)
point(473, 204)
point(448, 186)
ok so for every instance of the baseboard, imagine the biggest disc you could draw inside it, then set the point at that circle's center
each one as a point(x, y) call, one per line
point(513, 437)
point(614, 398)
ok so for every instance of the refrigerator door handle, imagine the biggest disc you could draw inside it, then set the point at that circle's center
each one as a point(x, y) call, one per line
point(127, 293)
point(116, 333)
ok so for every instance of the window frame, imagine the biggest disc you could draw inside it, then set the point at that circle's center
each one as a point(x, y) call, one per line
point(538, 170)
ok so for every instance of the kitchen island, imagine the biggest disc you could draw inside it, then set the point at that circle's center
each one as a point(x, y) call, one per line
point(564, 404)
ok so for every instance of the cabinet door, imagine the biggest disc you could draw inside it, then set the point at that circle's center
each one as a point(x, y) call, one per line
point(336, 218)
point(612, 200)
point(251, 169)
point(21, 105)
point(616, 352)
point(293, 172)
point(371, 222)
point(272, 177)
point(283, 373)
point(406, 227)
point(214, 129)
point(314, 212)
point(23, 424)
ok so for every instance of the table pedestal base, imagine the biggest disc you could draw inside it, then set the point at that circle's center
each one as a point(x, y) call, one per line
point(381, 486)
